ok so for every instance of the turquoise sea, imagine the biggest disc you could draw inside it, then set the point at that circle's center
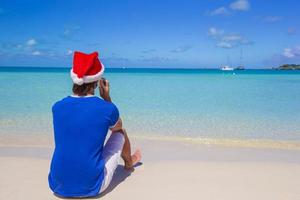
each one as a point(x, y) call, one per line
point(212, 105)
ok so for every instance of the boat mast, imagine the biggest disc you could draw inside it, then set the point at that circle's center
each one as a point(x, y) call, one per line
point(228, 61)
point(241, 58)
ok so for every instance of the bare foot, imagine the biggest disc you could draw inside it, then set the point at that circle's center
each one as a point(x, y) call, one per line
point(135, 158)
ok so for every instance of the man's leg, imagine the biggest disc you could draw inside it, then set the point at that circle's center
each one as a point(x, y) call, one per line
point(117, 146)
point(111, 154)
point(129, 160)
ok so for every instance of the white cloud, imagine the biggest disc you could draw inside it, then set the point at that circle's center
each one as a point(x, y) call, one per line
point(272, 19)
point(31, 42)
point(70, 31)
point(240, 5)
point(227, 40)
point(289, 55)
point(69, 52)
point(220, 11)
point(67, 32)
point(225, 45)
point(232, 37)
point(36, 53)
point(212, 31)
point(181, 49)
point(291, 52)
point(245, 41)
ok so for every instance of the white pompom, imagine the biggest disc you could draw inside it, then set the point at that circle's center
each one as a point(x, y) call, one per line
point(76, 80)
point(79, 81)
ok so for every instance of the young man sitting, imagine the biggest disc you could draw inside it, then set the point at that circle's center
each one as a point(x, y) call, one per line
point(82, 166)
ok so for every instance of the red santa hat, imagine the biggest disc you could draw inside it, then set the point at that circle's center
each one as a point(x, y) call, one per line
point(87, 68)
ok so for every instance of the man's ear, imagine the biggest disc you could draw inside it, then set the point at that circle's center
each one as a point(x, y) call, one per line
point(95, 85)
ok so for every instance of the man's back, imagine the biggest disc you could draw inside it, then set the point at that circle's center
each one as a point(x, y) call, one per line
point(80, 127)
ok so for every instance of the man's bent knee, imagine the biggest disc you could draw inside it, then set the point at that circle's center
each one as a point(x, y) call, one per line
point(122, 131)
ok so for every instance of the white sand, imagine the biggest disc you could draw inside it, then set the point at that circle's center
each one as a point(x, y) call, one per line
point(170, 170)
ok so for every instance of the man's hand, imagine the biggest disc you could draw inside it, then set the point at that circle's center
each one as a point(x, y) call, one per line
point(104, 89)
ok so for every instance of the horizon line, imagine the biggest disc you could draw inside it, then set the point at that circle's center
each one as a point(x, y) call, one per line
point(124, 68)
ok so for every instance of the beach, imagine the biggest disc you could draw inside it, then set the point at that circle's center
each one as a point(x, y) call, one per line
point(169, 170)
point(207, 91)
point(204, 134)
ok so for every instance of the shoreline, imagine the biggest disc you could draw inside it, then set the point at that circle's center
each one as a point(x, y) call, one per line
point(158, 149)
point(38, 140)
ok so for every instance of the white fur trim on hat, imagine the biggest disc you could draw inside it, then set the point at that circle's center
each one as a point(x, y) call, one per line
point(86, 79)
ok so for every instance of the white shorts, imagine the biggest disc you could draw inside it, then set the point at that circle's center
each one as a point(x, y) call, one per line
point(111, 154)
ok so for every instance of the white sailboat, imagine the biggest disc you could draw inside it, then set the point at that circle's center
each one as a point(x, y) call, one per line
point(227, 68)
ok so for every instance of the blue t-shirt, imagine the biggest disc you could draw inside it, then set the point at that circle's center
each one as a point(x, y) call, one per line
point(80, 127)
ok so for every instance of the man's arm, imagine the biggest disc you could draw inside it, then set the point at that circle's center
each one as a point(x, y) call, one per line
point(104, 93)
point(104, 89)
point(130, 160)
point(118, 126)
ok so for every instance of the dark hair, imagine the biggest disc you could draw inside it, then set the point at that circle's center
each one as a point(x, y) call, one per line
point(84, 89)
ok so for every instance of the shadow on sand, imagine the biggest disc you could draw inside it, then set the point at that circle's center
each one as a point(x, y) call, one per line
point(120, 175)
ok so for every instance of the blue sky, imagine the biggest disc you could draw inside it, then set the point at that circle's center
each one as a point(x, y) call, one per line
point(151, 33)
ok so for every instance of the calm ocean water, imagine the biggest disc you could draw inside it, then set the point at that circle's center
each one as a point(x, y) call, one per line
point(250, 104)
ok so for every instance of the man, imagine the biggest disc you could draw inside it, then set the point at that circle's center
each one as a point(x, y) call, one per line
point(81, 165)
